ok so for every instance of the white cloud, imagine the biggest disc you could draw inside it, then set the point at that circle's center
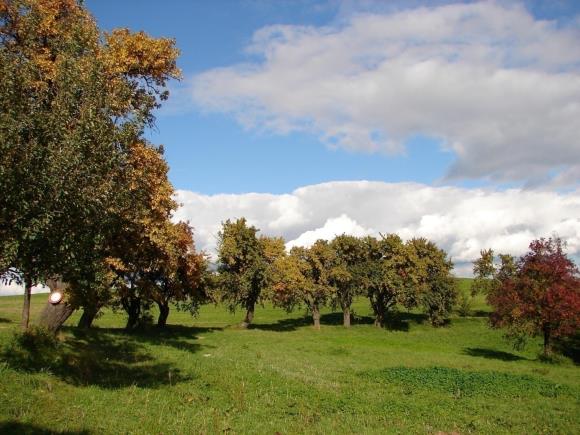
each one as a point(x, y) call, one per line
point(332, 227)
point(498, 87)
point(16, 289)
point(461, 221)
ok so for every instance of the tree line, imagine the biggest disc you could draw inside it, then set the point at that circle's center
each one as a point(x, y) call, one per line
point(388, 271)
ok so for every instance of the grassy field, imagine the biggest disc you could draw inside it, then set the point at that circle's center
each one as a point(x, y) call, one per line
point(203, 375)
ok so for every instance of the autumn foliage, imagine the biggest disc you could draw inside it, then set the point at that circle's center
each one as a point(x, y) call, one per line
point(542, 297)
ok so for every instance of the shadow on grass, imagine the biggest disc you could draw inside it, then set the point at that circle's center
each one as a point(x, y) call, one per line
point(15, 427)
point(284, 325)
point(492, 354)
point(176, 336)
point(570, 347)
point(402, 320)
point(480, 313)
point(3, 320)
point(110, 358)
point(333, 319)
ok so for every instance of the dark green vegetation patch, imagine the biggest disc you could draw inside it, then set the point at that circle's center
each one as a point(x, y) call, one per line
point(468, 383)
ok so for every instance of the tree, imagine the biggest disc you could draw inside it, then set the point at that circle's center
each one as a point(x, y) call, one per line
point(488, 274)
point(438, 293)
point(348, 255)
point(178, 273)
point(71, 105)
point(304, 276)
point(242, 267)
point(542, 297)
point(389, 275)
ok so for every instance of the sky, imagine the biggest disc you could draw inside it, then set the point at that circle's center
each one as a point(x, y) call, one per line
point(455, 121)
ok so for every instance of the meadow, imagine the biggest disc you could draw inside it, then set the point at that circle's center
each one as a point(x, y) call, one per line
point(205, 375)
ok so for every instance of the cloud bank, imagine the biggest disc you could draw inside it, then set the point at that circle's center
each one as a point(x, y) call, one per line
point(495, 85)
point(461, 221)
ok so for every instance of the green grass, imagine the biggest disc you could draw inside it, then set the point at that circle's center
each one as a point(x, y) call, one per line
point(204, 375)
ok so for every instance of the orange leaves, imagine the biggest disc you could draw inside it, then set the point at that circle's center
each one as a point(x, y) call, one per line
point(139, 55)
point(44, 33)
point(147, 178)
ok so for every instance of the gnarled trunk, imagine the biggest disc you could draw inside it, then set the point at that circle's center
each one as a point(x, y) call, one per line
point(316, 316)
point(87, 318)
point(53, 316)
point(26, 307)
point(163, 314)
point(249, 316)
point(346, 317)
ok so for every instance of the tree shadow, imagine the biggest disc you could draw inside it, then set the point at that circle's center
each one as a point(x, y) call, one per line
point(337, 319)
point(284, 325)
point(16, 427)
point(492, 354)
point(332, 319)
point(176, 336)
point(4, 320)
point(402, 320)
point(113, 360)
point(107, 358)
point(570, 347)
point(480, 313)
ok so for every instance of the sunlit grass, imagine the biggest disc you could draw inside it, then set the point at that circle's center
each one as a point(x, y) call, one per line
point(205, 375)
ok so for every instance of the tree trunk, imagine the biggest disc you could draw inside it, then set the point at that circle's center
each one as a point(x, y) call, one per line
point(547, 344)
point(133, 308)
point(53, 316)
point(316, 316)
point(163, 314)
point(87, 318)
point(346, 317)
point(26, 307)
point(379, 322)
point(249, 316)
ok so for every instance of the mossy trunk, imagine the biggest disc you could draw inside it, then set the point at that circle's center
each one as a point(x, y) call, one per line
point(163, 314)
point(26, 307)
point(316, 316)
point(249, 316)
point(53, 316)
point(346, 317)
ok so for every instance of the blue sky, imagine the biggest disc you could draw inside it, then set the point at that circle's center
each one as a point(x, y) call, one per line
point(212, 153)
point(288, 109)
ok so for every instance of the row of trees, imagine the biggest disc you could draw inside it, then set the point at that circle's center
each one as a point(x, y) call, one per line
point(254, 268)
point(84, 197)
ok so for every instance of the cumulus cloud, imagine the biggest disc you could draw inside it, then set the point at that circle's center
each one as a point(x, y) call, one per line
point(332, 227)
point(462, 221)
point(495, 85)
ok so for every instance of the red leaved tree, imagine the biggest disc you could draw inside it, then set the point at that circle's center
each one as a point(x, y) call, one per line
point(542, 297)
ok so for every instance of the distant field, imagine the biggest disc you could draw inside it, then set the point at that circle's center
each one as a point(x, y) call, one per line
point(203, 375)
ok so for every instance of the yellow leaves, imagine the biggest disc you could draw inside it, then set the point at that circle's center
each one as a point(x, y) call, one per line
point(138, 54)
point(44, 33)
point(272, 247)
point(148, 178)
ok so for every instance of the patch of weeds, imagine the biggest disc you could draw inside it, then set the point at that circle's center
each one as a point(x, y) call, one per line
point(464, 303)
point(458, 383)
point(551, 359)
point(33, 350)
